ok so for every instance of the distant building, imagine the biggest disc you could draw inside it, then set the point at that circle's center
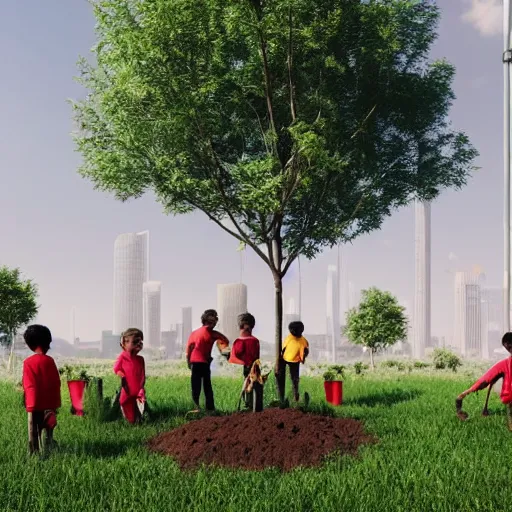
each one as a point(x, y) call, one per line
point(152, 293)
point(186, 326)
point(109, 344)
point(333, 310)
point(422, 293)
point(131, 270)
point(291, 315)
point(492, 321)
point(468, 314)
point(231, 302)
point(168, 343)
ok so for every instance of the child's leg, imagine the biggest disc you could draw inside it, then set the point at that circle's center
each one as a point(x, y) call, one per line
point(247, 396)
point(281, 379)
point(208, 389)
point(35, 420)
point(294, 374)
point(195, 383)
point(509, 416)
point(129, 410)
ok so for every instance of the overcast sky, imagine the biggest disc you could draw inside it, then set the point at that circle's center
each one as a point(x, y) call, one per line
point(60, 231)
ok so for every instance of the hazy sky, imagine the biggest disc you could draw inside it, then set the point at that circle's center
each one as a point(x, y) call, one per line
point(60, 232)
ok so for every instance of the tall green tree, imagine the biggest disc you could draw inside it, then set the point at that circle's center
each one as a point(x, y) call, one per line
point(18, 302)
point(379, 322)
point(294, 125)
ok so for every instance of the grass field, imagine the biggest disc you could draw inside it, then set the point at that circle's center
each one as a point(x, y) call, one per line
point(426, 459)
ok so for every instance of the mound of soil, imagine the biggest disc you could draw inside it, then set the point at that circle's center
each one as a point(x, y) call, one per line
point(279, 438)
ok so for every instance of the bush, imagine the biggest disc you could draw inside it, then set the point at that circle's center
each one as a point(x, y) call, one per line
point(359, 367)
point(420, 364)
point(444, 358)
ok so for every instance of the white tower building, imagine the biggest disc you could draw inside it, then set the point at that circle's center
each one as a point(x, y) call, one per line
point(422, 302)
point(131, 270)
point(231, 302)
point(333, 310)
point(291, 315)
point(186, 325)
point(468, 314)
point(152, 295)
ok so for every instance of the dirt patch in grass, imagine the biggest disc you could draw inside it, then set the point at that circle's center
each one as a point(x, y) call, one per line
point(279, 438)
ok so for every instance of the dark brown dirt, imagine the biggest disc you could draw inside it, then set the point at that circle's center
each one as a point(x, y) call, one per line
point(279, 438)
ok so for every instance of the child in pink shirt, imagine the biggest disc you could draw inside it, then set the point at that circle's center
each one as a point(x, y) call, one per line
point(131, 368)
point(502, 369)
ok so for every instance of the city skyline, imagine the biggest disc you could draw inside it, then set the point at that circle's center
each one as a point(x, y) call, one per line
point(59, 230)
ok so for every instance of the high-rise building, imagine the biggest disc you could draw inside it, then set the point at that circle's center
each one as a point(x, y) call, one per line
point(186, 325)
point(354, 296)
point(131, 270)
point(422, 313)
point(231, 302)
point(152, 300)
point(492, 321)
point(333, 310)
point(468, 314)
point(291, 315)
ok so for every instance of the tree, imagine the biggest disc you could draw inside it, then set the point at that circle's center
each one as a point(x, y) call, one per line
point(294, 125)
point(18, 302)
point(377, 323)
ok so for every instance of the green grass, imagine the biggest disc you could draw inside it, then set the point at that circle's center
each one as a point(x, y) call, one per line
point(426, 459)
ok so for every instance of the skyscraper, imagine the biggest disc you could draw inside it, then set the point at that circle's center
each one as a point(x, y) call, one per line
point(492, 320)
point(186, 325)
point(333, 310)
point(231, 302)
point(152, 299)
point(468, 314)
point(131, 270)
point(291, 315)
point(422, 313)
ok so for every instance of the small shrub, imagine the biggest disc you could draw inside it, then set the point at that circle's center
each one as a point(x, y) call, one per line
point(420, 364)
point(70, 372)
point(390, 363)
point(335, 372)
point(444, 358)
point(359, 367)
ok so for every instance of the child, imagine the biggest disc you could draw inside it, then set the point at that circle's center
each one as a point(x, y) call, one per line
point(131, 368)
point(502, 369)
point(199, 357)
point(246, 349)
point(41, 385)
point(294, 352)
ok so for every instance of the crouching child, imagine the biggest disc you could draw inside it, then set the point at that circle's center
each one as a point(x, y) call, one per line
point(501, 370)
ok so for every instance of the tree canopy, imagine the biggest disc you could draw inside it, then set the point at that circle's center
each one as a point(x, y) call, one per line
point(378, 322)
point(294, 125)
point(18, 302)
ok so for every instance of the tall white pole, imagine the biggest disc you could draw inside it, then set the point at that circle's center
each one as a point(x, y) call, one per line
point(507, 57)
point(300, 289)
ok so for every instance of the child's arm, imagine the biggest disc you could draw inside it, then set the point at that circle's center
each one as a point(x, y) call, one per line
point(489, 378)
point(29, 387)
point(222, 341)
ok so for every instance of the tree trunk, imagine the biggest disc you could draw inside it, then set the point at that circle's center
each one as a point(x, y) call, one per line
point(10, 364)
point(280, 367)
point(372, 364)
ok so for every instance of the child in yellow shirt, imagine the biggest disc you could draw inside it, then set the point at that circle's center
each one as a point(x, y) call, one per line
point(295, 351)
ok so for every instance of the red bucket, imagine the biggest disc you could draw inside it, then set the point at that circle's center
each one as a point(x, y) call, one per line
point(76, 393)
point(334, 391)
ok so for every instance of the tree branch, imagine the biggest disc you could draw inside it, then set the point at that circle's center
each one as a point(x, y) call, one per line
point(290, 65)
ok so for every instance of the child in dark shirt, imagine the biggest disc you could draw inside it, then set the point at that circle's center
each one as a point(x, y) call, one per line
point(41, 386)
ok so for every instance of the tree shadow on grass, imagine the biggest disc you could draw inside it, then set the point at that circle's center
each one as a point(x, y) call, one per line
point(392, 397)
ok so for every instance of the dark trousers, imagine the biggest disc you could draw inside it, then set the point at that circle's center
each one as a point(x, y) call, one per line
point(36, 426)
point(201, 375)
point(247, 396)
point(294, 375)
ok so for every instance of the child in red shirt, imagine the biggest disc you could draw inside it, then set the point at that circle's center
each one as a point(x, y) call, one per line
point(199, 357)
point(131, 368)
point(246, 349)
point(41, 385)
point(502, 369)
